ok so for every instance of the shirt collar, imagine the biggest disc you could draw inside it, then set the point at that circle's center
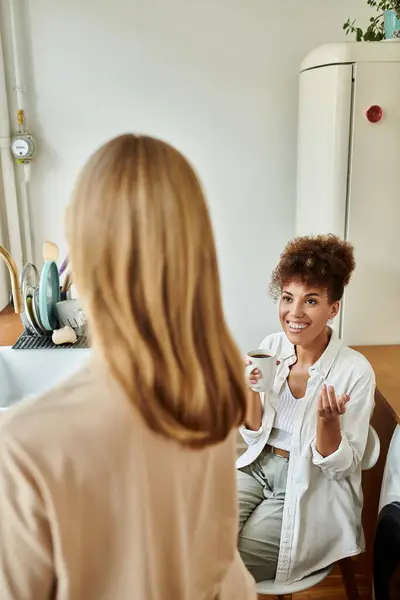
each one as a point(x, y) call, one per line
point(325, 362)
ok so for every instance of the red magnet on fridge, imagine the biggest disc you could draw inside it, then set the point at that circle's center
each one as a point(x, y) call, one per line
point(374, 114)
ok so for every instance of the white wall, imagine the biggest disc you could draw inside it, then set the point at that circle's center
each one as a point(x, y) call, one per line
point(217, 78)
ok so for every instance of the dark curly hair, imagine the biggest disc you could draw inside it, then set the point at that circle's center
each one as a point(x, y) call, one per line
point(323, 261)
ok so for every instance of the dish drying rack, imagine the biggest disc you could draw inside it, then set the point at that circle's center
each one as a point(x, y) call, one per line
point(43, 310)
point(27, 341)
point(31, 340)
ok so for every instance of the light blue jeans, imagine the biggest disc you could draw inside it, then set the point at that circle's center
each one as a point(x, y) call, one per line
point(261, 488)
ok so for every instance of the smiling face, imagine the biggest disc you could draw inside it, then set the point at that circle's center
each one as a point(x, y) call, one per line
point(304, 312)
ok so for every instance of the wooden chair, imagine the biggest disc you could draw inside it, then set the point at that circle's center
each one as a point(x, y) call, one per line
point(285, 591)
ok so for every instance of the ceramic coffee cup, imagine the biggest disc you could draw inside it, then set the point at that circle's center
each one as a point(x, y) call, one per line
point(265, 362)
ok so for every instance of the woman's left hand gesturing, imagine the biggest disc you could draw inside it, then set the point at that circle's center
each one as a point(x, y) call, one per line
point(329, 409)
point(330, 406)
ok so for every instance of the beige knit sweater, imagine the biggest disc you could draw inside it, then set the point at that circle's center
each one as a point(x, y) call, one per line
point(95, 506)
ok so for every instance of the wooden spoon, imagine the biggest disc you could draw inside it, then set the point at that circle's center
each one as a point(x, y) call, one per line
point(50, 251)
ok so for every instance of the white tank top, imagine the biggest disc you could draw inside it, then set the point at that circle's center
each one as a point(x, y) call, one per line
point(285, 406)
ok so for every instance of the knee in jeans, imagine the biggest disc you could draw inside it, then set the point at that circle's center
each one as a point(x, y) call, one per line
point(243, 548)
point(247, 538)
point(259, 539)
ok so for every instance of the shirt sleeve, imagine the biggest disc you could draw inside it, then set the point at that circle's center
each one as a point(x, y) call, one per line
point(26, 565)
point(338, 460)
point(249, 435)
point(354, 430)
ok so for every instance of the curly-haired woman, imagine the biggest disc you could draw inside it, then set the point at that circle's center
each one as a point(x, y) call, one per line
point(299, 482)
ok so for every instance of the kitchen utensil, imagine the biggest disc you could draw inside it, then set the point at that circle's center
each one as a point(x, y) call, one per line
point(27, 328)
point(49, 295)
point(36, 311)
point(29, 282)
point(67, 283)
point(65, 335)
point(73, 292)
point(69, 312)
point(50, 251)
point(64, 266)
point(29, 276)
point(81, 322)
point(28, 299)
point(265, 362)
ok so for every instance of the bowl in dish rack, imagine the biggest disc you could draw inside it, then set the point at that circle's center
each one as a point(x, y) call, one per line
point(70, 312)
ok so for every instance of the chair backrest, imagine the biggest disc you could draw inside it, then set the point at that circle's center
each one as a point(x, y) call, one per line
point(372, 450)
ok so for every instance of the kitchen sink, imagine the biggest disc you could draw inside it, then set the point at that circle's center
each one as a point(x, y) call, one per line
point(26, 373)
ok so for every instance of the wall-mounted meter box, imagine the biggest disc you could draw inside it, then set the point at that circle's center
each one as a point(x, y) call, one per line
point(23, 147)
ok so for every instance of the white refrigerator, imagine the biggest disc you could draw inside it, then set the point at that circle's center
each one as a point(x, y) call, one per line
point(348, 179)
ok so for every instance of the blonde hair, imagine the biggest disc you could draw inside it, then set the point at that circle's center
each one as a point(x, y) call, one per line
point(144, 260)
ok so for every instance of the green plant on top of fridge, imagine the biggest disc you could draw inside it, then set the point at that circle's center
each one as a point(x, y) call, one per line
point(375, 32)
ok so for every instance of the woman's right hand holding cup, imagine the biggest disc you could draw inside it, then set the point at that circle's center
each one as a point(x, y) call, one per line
point(260, 371)
point(255, 374)
point(259, 377)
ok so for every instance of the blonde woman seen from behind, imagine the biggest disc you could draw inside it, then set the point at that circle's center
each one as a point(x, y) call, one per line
point(120, 483)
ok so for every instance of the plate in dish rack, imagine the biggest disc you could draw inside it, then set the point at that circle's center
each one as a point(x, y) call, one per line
point(49, 295)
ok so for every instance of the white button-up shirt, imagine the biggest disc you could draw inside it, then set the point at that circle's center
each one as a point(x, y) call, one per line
point(322, 512)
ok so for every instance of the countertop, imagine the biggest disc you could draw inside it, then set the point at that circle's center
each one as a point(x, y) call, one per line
point(10, 327)
point(385, 360)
